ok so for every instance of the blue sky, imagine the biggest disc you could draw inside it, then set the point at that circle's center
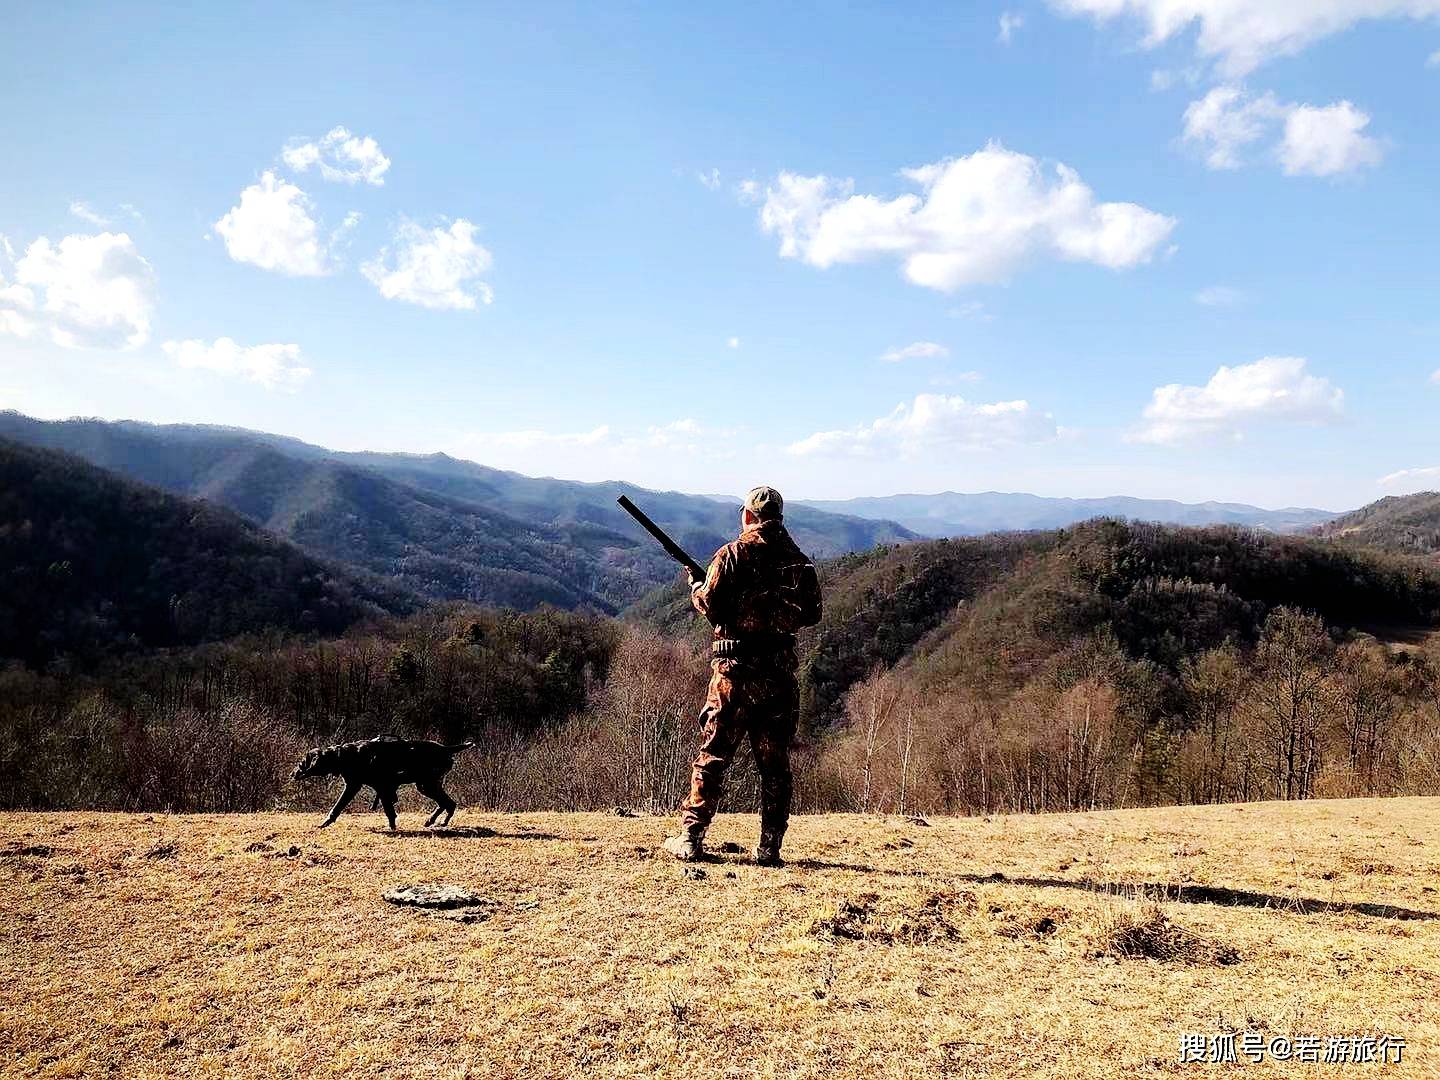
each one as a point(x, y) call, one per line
point(1105, 253)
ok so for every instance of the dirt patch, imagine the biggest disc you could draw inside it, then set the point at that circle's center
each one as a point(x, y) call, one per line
point(1354, 864)
point(30, 851)
point(1031, 922)
point(896, 921)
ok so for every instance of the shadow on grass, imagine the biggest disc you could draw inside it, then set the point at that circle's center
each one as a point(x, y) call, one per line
point(465, 832)
point(859, 868)
point(1215, 894)
point(1182, 894)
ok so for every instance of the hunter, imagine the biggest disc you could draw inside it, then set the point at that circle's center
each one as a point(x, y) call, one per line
point(759, 590)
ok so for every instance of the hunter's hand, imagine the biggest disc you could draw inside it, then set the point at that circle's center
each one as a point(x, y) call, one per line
point(694, 580)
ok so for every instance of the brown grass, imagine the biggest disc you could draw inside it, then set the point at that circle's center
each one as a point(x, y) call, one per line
point(1142, 929)
point(1052, 946)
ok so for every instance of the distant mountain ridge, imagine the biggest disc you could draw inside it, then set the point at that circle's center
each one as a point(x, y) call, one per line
point(951, 513)
point(441, 527)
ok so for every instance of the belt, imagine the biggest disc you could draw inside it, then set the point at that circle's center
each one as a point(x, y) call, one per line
point(751, 646)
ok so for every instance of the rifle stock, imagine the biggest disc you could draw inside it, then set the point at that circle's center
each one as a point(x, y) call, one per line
point(674, 550)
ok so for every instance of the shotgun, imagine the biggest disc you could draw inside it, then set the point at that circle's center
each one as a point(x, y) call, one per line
point(674, 550)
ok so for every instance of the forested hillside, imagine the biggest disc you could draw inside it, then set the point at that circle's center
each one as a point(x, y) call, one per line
point(448, 529)
point(93, 563)
point(1107, 665)
point(1115, 663)
point(1407, 524)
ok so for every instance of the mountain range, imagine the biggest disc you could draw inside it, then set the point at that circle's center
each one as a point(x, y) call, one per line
point(437, 526)
point(952, 513)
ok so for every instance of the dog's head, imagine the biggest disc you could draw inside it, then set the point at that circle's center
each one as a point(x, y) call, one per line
point(318, 762)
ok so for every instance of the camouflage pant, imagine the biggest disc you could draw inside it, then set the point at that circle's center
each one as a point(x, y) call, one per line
point(744, 699)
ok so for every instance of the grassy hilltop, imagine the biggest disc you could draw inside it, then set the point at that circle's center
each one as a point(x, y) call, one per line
point(1053, 946)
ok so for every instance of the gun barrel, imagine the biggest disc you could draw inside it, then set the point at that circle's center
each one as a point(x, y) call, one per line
point(674, 550)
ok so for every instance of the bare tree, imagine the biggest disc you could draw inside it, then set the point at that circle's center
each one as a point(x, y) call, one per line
point(1293, 662)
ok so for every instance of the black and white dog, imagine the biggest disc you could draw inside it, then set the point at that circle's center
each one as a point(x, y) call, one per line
point(385, 763)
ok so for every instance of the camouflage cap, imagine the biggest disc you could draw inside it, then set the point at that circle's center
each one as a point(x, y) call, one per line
point(765, 503)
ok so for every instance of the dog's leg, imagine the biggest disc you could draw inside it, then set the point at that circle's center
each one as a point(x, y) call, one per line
point(351, 790)
point(447, 804)
point(432, 790)
point(387, 800)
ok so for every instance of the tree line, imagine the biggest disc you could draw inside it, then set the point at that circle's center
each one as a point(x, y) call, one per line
point(571, 712)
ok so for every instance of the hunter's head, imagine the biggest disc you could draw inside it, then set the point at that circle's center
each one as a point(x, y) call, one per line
point(762, 504)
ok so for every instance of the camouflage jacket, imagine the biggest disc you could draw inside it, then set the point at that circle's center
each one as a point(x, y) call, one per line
point(759, 584)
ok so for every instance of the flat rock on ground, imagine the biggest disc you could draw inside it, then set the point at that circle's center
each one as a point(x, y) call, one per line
point(434, 896)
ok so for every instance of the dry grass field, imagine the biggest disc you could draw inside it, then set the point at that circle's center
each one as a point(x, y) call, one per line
point(1068, 946)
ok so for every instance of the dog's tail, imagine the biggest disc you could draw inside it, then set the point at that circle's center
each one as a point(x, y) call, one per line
point(459, 747)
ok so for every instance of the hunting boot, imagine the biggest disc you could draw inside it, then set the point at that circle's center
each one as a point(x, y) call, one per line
point(689, 846)
point(768, 853)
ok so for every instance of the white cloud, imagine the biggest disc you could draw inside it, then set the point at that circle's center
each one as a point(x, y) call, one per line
point(915, 350)
point(1314, 140)
point(602, 452)
point(956, 378)
point(1165, 78)
point(1433, 60)
point(677, 437)
point(976, 220)
point(533, 439)
point(732, 342)
point(711, 179)
point(1219, 296)
point(934, 422)
point(748, 191)
point(1240, 35)
point(87, 291)
point(1271, 390)
point(17, 307)
point(1226, 120)
point(84, 212)
point(972, 310)
point(275, 367)
point(435, 268)
point(341, 156)
point(340, 237)
point(1414, 479)
point(1325, 141)
point(272, 228)
point(1009, 23)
